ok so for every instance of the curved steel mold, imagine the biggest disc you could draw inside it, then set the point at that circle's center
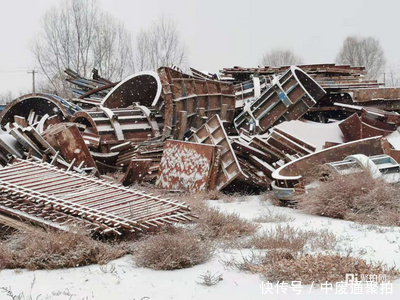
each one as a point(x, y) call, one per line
point(144, 88)
point(32, 107)
point(289, 98)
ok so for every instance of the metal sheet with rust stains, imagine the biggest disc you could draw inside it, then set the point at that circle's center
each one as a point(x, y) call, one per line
point(66, 138)
point(188, 166)
point(213, 133)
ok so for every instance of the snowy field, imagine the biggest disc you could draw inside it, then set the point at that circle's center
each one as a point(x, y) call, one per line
point(120, 279)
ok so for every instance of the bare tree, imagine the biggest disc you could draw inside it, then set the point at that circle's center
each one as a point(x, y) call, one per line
point(77, 35)
point(6, 97)
point(392, 75)
point(159, 45)
point(280, 57)
point(364, 52)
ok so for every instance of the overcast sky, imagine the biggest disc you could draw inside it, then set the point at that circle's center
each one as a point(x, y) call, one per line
point(218, 33)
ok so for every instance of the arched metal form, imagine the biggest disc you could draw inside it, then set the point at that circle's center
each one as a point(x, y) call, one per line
point(32, 107)
point(143, 88)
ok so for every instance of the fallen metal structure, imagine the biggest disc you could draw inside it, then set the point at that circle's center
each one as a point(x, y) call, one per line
point(184, 132)
point(379, 166)
point(289, 98)
point(31, 190)
point(289, 179)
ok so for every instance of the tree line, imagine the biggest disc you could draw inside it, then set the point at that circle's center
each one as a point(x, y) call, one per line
point(77, 34)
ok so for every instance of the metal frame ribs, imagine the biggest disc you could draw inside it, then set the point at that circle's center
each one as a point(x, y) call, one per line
point(103, 206)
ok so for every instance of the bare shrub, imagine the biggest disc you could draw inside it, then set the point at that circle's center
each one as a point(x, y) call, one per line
point(214, 224)
point(294, 240)
point(322, 239)
point(169, 251)
point(356, 197)
point(51, 249)
point(280, 237)
point(284, 265)
point(209, 279)
point(269, 216)
point(320, 268)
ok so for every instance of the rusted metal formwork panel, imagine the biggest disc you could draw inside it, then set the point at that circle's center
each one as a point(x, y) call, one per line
point(354, 127)
point(138, 171)
point(188, 166)
point(374, 94)
point(289, 178)
point(213, 133)
point(110, 207)
point(189, 102)
point(289, 98)
point(150, 149)
point(289, 144)
point(250, 90)
point(34, 107)
point(67, 139)
point(143, 88)
point(116, 126)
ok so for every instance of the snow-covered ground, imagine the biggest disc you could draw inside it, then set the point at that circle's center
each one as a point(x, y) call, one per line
point(120, 279)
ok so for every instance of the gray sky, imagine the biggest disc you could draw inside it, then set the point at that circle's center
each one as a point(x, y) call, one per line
point(218, 33)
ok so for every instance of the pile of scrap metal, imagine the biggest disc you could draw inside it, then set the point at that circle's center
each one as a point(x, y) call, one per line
point(238, 130)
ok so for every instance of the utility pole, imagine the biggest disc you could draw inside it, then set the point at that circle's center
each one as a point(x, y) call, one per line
point(33, 79)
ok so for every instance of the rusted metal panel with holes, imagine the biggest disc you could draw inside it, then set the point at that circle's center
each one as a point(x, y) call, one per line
point(188, 166)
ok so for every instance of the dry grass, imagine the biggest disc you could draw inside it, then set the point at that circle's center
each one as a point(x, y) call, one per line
point(284, 255)
point(269, 216)
point(175, 249)
point(280, 237)
point(213, 224)
point(316, 268)
point(49, 249)
point(292, 239)
point(357, 197)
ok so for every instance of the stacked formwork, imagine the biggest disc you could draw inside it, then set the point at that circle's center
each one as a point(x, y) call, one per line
point(183, 132)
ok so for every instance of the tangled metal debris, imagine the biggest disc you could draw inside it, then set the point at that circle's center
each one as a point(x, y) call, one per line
point(186, 132)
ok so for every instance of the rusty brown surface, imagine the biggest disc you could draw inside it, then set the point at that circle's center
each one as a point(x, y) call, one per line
point(188, 102)
point(38, 104)
point(355, 127)
point(188, 166)
point(67, 139)
point(373, 94)
point(307, 164)
point(288, 99)
point(107, 207)
point(213, 133)
point(138, 171)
